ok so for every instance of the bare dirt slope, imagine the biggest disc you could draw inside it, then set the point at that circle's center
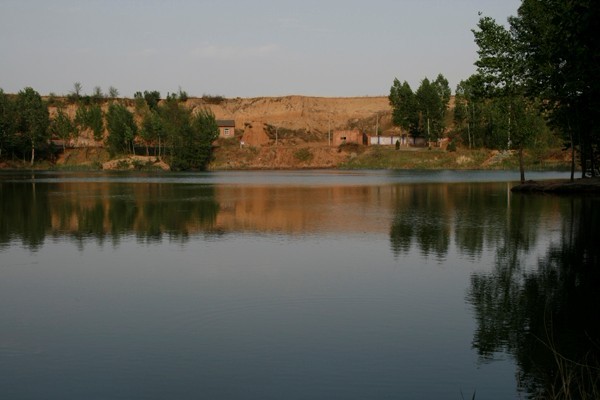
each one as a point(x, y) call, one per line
point(313, 115)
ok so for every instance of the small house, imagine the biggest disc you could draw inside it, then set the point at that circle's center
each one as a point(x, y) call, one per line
point(226, 128)
point(347, 137)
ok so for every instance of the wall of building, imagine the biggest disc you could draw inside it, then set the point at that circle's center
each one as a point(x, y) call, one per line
point(347, 137)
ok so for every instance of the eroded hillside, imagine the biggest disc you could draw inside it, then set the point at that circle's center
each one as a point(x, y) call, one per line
point(299, 117)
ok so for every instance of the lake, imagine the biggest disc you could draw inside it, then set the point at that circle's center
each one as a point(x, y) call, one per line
point(292, 285)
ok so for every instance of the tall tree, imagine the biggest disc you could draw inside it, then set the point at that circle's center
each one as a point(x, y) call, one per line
point(501, 68)
point(443, 88)
point(32, 119)
point(189, 137)
point(557, 41)
point(152, 130)
point(62, 126)
point(430, 108)
point(404, 107)
point(76, 92)
point(113, 92)
point(467, 112)
point(498, 64)
point(152, 98)
point(90, 117)
point(7, 123)
point(97, 95)
point(121, 129)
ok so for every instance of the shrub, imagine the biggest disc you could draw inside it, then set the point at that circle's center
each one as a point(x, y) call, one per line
point(210, 99)
point(304, 154)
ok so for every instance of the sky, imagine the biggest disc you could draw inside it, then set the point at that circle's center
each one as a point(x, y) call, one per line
point(239, 48)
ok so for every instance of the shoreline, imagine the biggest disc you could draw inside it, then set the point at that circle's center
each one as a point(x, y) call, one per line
point(578, 186)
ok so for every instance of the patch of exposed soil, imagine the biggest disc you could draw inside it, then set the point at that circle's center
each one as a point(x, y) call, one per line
point(316, 116)
point(135, 162)
point(278, 157)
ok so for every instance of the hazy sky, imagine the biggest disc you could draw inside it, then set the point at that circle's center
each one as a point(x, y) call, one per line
point(237, 47)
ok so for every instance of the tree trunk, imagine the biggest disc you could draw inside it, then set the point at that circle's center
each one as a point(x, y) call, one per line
point(469, 134)
point(32, 152)
point(521, 166)
point(592, 162)
point(582, 157)
point(572, 157)
point(509, 114)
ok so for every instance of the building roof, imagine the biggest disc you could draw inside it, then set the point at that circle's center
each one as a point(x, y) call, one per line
point(226, 123)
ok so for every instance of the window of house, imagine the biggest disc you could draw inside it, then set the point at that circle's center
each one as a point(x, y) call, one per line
point(226, 131)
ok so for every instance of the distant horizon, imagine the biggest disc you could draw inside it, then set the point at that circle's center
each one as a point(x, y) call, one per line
point(163, 96)
point(233, 49)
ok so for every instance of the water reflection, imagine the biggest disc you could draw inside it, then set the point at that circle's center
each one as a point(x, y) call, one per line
point(31, 211)
point(151, 211)
point(545, 316)
point(532, 263)
point(433, 216)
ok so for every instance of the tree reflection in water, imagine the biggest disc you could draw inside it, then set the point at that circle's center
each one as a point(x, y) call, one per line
point(547, 317)
point(97, 211)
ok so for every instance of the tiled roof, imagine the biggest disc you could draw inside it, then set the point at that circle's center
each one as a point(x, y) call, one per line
point(226, 122)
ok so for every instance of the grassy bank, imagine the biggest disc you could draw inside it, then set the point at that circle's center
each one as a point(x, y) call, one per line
point(230, 156)
point(389, 158)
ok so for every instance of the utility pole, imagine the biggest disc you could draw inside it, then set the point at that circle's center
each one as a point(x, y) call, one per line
point(329, 130)
point(377, 127)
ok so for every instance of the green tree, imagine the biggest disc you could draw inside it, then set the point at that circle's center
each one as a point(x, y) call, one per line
point(7, 124)
point(32, 120)
point(63, 127)
point(205, 132)
point(502, 68)
point(470, 110)
point(113, 92)
point(121, 129)
point(97, 96)
point(152, 98)
point(75, 94)
point(90, 117)
point(152, 130)
point(429, 106)
point(444, 93)
point(182, 95)
point(498, 64)
point(404, 107)
point(421, 113)
point(189, 137)
point(462, 115)
point(557, 42)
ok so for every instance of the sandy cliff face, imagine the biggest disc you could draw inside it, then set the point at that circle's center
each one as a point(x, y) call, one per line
point(315, 115)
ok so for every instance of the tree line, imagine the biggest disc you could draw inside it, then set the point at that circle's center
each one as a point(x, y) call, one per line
point(175, 133)
point(536, 80)
point(421, 113)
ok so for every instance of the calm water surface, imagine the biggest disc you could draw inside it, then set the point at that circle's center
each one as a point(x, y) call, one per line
point(288, 285)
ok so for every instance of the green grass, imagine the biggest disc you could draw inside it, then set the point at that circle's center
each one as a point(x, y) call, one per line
point(390, 158)
point(379, 157)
